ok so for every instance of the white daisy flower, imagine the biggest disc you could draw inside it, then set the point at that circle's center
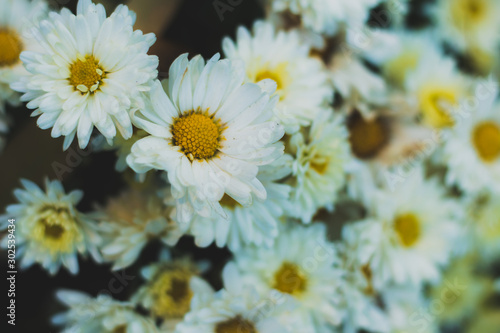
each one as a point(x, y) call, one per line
point(412, 232)
point(167, 293)
point(16, 18)
point(327, 16)
point(438, 87)
point(307, 274)
point(49, 230)
point(210, 132)
point(89, 73)
point(130, 222)
point(99, 315)
point(471, 149)
point(466, 23)
point(302, 84)
point(320, 158)
point(236, 308)
point(359, 295)
point(256, 224)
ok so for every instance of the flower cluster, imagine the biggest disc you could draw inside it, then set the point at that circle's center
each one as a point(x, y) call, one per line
point(348, 160)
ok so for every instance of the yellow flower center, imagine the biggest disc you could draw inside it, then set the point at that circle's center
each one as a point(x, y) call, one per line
point(56, 229)
point(86, 75)
point(171, 293)
point(436, 105)
point(319, 165)
point(235, 325)
point(367, 137)
point(467, 13)
point(396, 69)
point(407, 227)
point(10, 47)
point(290, 279)
point(197, 134)
point(278, 74)
point(486, 140)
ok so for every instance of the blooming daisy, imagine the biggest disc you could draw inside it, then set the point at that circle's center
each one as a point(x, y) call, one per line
point(471, 148)
point(302, 83)
point(307, 274)
point(256, 224)
point(100, 315)
point(320, 157)
point(326, 16)
point(236, 308)
point(49, 229)
point(439, 88)
point(167, 293)
point(130, 221)
point(466, 23)
point(89, 72)
point(16, 18)
point(410, 232)
point(210, 132)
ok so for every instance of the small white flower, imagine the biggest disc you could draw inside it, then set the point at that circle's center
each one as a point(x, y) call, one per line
point(48, 228)
point(320, 158)
point(327, 16)
point(16, 19)
point(236, 308)
point(411, 234)
point(304, 268)
point(256, 224)
point(301, 81)
point(167, 293)
point(99, 315)
point(130, 222)
point(471, 149)
point(89, 72)
point(210, 133)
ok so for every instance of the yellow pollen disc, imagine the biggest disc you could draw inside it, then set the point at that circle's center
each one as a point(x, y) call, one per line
point(86, 75)
point(278, 74)
point(486, 140)
point(290, 279)
point(56, 229)
point(396, 69)
point(407, 227)
point(235, 325)
point(367, 137)
point(171, 293)
point(10, 47)
point(465, 14)
point(197, 135)
point(228, 202)
point(436, 105)
point(320, 165)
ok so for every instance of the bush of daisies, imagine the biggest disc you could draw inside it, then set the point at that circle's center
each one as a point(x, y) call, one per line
point(344, 154)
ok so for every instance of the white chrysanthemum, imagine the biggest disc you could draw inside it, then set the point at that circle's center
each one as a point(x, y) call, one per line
point(16, 18)
point(320, 158)
point(236, 308)
point(48, 228)
point(256, 224)
point(471, 148)
point(483, 226)
point(327, 16)
point(412, 232)
point(210, 133)
point(302, 83)
point(130, 222)
point(466, 23)
point(89, 73)
point(304, 267)
point(438, 87)
point(358, 293)
point(167, 293)
point(99, 315)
